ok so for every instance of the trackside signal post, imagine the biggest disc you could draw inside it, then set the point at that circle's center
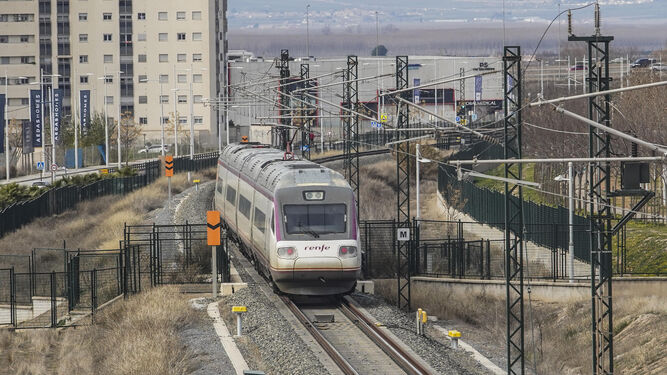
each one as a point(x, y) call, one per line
point(213, 228)
point(169, 172)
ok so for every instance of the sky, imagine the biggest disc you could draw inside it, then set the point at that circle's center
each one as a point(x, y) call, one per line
point(289, 14)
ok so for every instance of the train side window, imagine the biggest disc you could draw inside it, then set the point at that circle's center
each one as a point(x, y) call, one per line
point(259, 220)
point(244, 206)
point(220, 185)
point(231, 195)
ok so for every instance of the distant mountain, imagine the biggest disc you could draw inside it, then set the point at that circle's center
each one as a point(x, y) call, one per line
point(291, 14)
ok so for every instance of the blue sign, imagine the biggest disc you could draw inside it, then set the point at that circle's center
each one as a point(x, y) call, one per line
point(36, 117)
point(376, 124)
point(40, 165)
point(84, 104)
point(458, 119)
point(478, 88)
point(417, 82)
point(57, 106)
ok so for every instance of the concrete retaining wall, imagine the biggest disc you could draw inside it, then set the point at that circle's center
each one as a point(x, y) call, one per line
point(549, 291)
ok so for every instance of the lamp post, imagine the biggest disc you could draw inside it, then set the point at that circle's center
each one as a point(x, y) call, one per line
point(106, 120)
point(420, 160)
point(177, 120)
point(42, 84)
point(307, 31)
point(119, 116)
point(192, 124)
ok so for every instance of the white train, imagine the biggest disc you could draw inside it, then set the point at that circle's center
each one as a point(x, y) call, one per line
point(295, 219)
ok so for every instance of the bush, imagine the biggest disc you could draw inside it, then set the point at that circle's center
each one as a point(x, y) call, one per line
point(12, 193)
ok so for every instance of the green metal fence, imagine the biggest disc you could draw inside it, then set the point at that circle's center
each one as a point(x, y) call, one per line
point(58, 200)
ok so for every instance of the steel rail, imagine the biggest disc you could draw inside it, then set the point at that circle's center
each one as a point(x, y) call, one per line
point(406, 361)
point(335, 355)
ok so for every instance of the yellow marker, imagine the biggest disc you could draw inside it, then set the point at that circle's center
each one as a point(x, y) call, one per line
point(454, 333)
point(378, 324)
point(104, 171)
point(424, 316)
point(195, 181)
point(239, 309)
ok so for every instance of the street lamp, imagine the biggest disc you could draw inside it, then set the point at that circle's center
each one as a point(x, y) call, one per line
point(161, 116)
point(177, 119)
point(7, 123)
point(192, 123)
point(420, 160)
point(570, 245)
point(120, 94)
point(307, 31)
point(106, 121)
point(41, 84)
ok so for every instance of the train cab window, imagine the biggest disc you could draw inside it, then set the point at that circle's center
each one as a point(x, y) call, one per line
point(273, 224)
point(220, 185)
point(231, 195)
point(315, 219)
point(244, 206)
point(259, 220)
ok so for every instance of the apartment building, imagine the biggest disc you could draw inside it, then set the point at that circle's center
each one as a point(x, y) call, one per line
point(146, 57)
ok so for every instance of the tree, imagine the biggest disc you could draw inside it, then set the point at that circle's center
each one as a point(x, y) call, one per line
point(380, 50)
point(129, 132)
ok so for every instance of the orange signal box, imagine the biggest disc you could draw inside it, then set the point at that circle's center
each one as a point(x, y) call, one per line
point(214, 226)
point(169, 166)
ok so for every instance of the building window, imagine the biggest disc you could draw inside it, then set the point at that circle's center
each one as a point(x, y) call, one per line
point(164, 99)
point(143, 78)
point(180, 15)
point(182, 99)
point(141, 16)
point(196, 15)
point(164, 78)
point(83, 37)
point(108, 79)
point(83, 79)
point(162, 37)
point(197, 99)
point(199, 120)
point(182, 120)
point(164, 57)
point(143, 121)
point(196, 36)
point(180, 36)
point(141, 37)
point(143, 99)
point(106, 37)
point(162, 16)
point(182, 78)
point(181, 57)
point(197, 78)
point(106, 16)
point(83, 59)
point(108, 59)
point(196, 57)
point(83, 17)
point(141, 58)
point(109, 100)
point(165, 120)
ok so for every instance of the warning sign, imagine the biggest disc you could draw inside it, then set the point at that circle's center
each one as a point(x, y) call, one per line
point(214, 226)
point(169, 166)
point(403, 234)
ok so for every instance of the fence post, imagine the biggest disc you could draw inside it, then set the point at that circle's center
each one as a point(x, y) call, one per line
point(93, 294)
point(481, 258)
point(488, 259)
point(12, 297)
point(126, 267)
point(54, 315)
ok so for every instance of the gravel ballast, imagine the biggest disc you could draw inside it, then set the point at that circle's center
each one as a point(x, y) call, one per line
point(269, 342)
point(440, 356)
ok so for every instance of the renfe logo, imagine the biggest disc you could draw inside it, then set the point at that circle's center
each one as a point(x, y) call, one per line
point(319, 248)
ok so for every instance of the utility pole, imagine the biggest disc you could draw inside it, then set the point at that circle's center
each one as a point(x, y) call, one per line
point(403, 182)
point(192, 119)
point(6, 127)
point(177, 118)
point(106, 120)
point(307, 32)
point(119, 118)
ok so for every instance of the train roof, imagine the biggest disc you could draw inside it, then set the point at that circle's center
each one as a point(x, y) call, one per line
point(265, 166)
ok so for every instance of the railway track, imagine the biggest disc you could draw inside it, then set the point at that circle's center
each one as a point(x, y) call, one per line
point(342, 156)
point(351, 339)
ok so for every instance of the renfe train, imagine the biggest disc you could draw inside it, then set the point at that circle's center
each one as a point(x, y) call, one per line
point(295, 219)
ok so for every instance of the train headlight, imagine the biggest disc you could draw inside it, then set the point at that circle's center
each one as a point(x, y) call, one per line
point(313, 195)
point(287, 252)
point(347, 251)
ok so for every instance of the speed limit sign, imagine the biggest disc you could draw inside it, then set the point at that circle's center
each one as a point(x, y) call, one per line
point(54, 167)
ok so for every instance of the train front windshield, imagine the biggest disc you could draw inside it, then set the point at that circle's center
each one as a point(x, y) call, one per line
point(315, 218)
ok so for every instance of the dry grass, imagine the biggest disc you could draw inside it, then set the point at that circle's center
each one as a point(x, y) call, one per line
point(562, 330)
point(137, 336)
point(95, 224)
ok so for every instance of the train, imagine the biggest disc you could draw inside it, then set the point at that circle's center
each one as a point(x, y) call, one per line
point(294, 219)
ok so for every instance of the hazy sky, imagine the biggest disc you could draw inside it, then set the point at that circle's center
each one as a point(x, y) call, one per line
point(291, 13)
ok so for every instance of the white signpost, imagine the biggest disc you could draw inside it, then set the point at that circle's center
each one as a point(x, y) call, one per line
point(403, 234)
